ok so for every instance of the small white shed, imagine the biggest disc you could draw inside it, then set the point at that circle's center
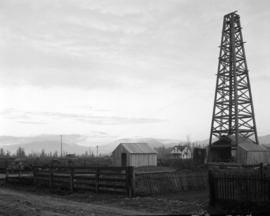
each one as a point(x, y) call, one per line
point(250, 153)
point(134, 154)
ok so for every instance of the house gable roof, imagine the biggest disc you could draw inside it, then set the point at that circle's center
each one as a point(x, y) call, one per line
point(179, 148)
point(138, 148)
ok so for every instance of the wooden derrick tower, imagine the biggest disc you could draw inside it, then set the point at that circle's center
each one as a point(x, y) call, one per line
point(233, 113)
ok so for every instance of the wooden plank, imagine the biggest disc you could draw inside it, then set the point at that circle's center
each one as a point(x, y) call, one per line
point(61, 174)
point(71, 179)
point(82, 181)
point(113, 190)
point(42, 173)
point(51, 177)
point(130, 181)
point(60, 185)
point(112, 186)
point(102, 169)
point(113, 174)
point(41, 178)
point(87, 178)
point(64, 181)
point(85, 187)
point(85, 173)
point(232, 188)
point(117, 169)
point(85, 183)
point(113, 179)
point(97, 180)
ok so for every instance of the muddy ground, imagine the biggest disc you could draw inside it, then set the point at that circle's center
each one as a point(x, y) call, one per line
point(31, 201)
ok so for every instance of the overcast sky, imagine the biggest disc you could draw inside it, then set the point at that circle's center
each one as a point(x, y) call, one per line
point(129, 68)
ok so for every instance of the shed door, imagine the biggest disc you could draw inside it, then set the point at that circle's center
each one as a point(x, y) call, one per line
point(123, 159)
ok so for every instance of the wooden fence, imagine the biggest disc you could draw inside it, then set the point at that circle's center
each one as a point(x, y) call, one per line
point(98, 179)
point(245, 188)
point(18, 176)
point(158, 183)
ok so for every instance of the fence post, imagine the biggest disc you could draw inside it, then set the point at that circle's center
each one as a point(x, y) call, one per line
point(34, 175)
point(97, 179)
point(20, 174)
point(130, 175)
point(211, 188)
point(71, 178)
point(51, 177)
point(6, 179)
point(268, 197)
point(261, 170)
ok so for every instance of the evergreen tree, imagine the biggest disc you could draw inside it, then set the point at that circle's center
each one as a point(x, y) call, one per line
point(20, 152)
point(2, 152)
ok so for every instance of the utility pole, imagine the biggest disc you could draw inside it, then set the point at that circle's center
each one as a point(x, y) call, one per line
point(61, 147)
point(97, 150)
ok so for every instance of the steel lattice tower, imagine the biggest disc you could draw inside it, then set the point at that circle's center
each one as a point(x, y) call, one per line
point(233, 112)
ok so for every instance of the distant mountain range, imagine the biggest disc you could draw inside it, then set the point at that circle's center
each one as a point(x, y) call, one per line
point(80, 144)
point(265, 140)
point(72, 144)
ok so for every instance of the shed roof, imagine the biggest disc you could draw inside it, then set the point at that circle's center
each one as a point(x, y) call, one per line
point(139, 148)
point(241, 139)
point(227, 141)
point(248, 146)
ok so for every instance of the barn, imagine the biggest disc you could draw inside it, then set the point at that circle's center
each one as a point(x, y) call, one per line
point(134, 154)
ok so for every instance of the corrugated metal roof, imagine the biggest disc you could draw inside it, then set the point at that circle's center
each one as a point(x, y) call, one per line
point(140, 148)
point(248, 146)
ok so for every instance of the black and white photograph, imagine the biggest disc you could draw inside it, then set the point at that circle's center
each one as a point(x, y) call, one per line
point(134, 107)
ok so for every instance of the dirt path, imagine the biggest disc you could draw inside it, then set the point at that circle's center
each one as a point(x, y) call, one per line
point(17, 203)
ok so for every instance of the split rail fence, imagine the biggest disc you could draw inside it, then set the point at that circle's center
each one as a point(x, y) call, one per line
point(98, 179)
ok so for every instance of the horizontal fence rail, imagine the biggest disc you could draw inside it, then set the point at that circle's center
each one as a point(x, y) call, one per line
point(98, 179)
point(234, 165)
point(18, 176)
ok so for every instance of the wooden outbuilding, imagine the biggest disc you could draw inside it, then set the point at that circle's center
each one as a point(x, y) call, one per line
point(134, 154)
point(250, 153)
point(244, 152)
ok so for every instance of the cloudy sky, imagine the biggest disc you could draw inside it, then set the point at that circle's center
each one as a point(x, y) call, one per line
point(122, 68)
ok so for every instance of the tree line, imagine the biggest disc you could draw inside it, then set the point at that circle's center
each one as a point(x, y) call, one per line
point(20, 153)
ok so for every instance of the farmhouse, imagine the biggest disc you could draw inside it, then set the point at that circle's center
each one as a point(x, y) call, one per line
point(181, 152)
point(134, 154)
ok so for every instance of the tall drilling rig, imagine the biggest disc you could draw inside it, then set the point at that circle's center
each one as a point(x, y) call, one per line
point(233, 112)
